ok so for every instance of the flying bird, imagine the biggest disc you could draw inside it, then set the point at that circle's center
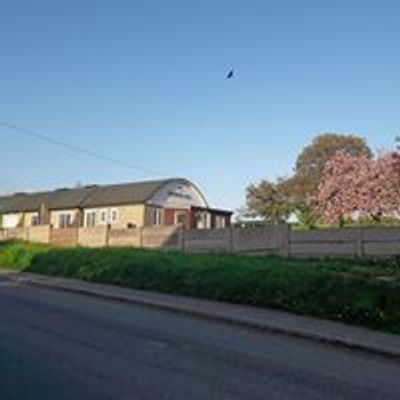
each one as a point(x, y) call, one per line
point(230, 74)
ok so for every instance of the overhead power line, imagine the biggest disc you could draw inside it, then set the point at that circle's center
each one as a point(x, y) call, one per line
point(78, 149)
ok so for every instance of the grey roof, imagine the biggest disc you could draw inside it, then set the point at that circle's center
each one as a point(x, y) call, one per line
point(67, 198)
point(23, 202)
point(88, 196)
point(126, 193)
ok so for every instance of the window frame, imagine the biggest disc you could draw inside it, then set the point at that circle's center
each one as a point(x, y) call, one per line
point(220, 222)
point(179, 214)
point(65, 220)
point(113, 220)
point(103, 213)
point(90, 219)
point(35, 220)
point(157, 217)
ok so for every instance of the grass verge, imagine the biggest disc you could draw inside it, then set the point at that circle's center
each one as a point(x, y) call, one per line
point(361, 292)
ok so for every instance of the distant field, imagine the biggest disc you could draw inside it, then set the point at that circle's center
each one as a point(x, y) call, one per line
point(363, 292)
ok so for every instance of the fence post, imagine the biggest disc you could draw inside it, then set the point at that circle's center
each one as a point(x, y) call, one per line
point(183, 231)
point(108, 235)
point(50, 234)
point(360, 243)
point(140, 237)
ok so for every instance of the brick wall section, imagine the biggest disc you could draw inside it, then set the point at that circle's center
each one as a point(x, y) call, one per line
point(169, 215)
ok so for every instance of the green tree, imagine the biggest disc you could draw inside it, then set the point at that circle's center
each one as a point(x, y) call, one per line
point(269, 200)
point(275, 201)
point(311, 161)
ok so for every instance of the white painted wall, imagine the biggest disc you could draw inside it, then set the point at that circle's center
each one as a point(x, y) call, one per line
point(11, 220)
point(108, 214)
point(55, 216)
point(178, 195)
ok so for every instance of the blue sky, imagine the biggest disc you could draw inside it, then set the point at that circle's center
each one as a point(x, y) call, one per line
point(143, 82)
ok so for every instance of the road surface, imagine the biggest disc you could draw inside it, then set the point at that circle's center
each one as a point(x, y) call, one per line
point(56, 345)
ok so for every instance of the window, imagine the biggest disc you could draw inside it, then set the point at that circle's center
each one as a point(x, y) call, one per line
point(64, 220)
point(103, 216)
point(35, 220)
point(157, 216)
point(180, 218)
point(220, 222)
point(114, 216)
point(90, 219)
point(202, 220)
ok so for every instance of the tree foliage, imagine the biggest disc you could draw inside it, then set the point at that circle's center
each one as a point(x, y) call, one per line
point(269, 200)
point(359, 186)
point(274, 201)
point(311, 161)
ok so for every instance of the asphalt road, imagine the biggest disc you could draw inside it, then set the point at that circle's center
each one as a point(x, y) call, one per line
point(55, 345)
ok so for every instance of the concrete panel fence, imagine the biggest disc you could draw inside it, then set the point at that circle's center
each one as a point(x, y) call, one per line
point(93, 237)
point(38, 234)
point(67, 237)
point(125, 237)
point(210, 240)
point(163, 237)
point(15, 234)
point(345, 242)
point(269, 239)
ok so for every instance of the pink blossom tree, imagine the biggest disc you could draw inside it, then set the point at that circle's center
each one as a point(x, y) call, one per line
point(359, 186)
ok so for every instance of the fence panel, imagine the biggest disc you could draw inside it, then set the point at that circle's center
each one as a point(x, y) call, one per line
point(260, 240)
point(125, 237)
point(324, 235)
point(388, 234)
point(93, 237)
point(15, 234)
point(39, 233)
point(381, 249)
point(211, 240)
point(280, 240)
point(323, 249)
point(66, 237)
point(333, 242)
point(360, 242)
point(162, 237)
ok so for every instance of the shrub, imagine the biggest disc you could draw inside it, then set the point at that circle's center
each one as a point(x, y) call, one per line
point(364, 292)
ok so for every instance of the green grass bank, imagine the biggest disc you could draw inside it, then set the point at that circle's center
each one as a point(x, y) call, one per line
point(361, 292)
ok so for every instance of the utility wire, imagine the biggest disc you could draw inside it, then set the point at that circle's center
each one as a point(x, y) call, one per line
point(77, 149)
